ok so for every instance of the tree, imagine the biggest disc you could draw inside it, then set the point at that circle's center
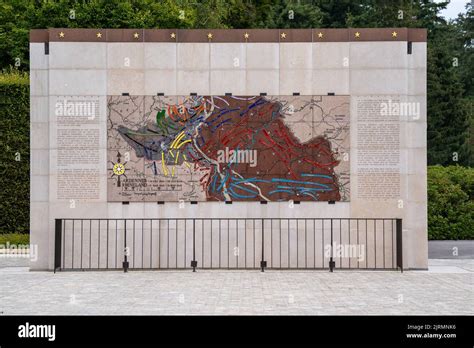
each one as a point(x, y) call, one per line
point(17, 17)
point(465, 24)
point(447, 112)
point(450, 88)
point(448, 108)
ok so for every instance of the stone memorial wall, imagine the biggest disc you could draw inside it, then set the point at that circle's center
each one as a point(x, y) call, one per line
point(316, 116)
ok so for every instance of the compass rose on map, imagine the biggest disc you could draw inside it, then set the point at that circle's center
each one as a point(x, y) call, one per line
point(118, 169)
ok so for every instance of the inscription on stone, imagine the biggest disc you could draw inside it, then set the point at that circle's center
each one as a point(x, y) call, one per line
point(78, 141)
point(378, 149)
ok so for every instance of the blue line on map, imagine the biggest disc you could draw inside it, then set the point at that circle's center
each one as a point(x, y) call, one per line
point(251, 180)
point(260, 101)
point(299, 182)
point(222, 113)
point(214, 183)
point(317, 175)
point(275, 191)
point(310, 194)
point(220, 124)
point(223, 182)
point(243, 188)
point(302, 188)
point(233, 193)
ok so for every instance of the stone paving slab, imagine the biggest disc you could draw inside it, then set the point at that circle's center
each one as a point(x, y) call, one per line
point(14, 261)
point(239, 292)
point(461, 265)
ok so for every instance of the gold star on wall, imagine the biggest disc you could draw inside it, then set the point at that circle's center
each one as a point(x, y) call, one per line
point(99, 35)
point(283, 35)
point(246, 36)
point(320, 35)
point(61, 34)
point(394, 34)
point(135, 35)
point(209, 36)
point(357, 34)
point(173, 35)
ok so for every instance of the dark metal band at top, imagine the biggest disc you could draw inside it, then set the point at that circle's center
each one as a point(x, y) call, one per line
point(228, 35)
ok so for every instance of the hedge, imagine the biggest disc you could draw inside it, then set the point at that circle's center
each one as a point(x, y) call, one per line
point(14, 153)
point(450, 202)
point(14, 238)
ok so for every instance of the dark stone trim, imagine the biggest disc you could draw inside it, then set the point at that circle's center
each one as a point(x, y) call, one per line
point(229, 35)
point(39, 35)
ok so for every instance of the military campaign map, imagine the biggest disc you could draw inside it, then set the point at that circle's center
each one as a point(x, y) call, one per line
point(228, 148)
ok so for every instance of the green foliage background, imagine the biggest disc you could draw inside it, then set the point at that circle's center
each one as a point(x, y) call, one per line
point(450, 86)
point(450, 202)
point(15, 238)
point(14, 153)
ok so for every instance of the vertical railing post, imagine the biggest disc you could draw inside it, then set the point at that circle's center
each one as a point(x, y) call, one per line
point(399, 245)
point(194, 262)
point(58, 234)
point(332, 263)
point(263, 263)
point(125, 249)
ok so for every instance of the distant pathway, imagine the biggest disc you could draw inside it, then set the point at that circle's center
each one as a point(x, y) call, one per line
point(446, 249)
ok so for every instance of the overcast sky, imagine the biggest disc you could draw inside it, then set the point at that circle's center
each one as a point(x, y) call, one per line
point(454, 7)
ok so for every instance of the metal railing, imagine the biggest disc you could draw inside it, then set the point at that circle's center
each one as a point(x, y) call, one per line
point(228, 243)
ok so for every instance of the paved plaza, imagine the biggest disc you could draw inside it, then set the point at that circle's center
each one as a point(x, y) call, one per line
point(447, 288)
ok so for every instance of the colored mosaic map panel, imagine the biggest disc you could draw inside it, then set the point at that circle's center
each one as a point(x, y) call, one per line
point(228, 148)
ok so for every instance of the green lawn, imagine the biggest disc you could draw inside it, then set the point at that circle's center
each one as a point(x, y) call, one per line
point(14, 238)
